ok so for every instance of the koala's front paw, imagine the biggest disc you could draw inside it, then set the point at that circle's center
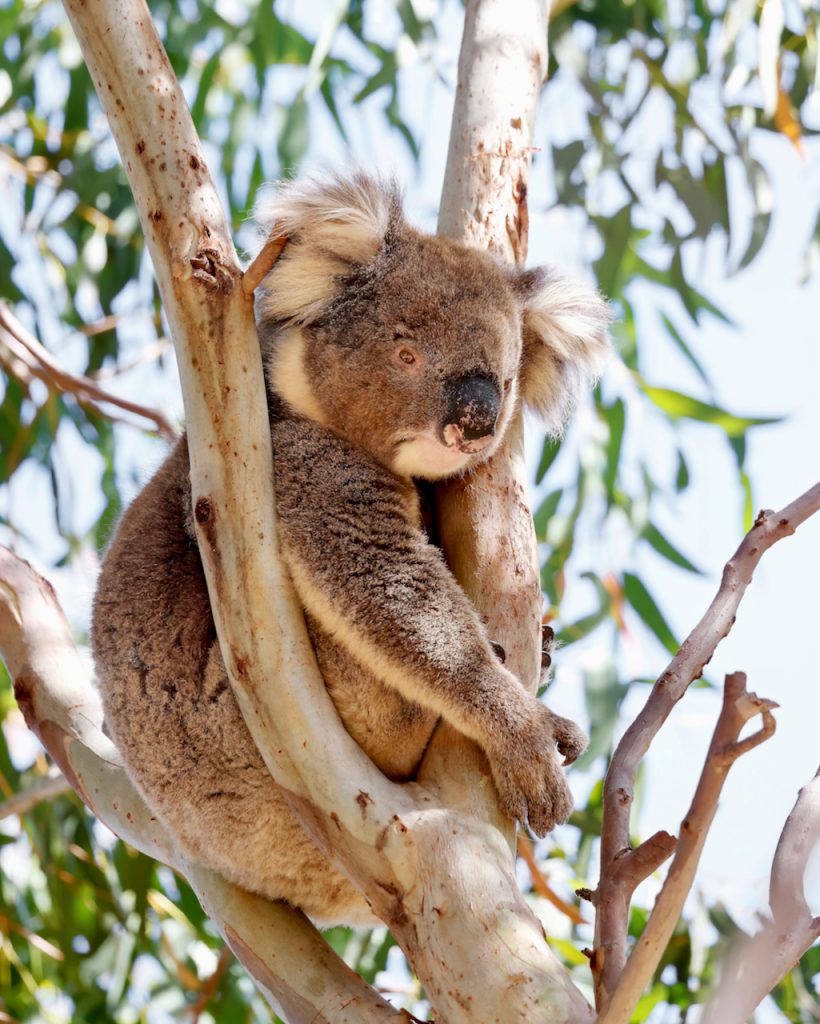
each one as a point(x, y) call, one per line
point(526, 770)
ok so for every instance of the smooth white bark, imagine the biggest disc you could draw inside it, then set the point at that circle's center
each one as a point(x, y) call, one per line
point(757, 964)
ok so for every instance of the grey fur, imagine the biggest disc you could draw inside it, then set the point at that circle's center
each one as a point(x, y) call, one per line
point(363, 322)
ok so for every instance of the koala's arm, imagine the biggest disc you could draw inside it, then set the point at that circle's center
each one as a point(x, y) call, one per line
point(367, 574)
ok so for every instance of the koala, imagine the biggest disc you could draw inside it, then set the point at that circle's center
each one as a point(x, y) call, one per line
point(391, 357)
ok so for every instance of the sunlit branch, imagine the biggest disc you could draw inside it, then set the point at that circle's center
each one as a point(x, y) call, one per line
point(739, 706)
point(21, 347)
point(611, 898)
point(279, 947)
point(47, 787)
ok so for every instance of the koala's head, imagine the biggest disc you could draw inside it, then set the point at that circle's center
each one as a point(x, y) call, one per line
point(411, 346)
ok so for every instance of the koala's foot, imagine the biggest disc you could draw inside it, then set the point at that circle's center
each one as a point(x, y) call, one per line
point(547, 646)
point(531, 784)
point(547, 651)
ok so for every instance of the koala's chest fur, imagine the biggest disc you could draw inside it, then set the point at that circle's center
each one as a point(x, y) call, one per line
point(336, 508)
point(392, 731)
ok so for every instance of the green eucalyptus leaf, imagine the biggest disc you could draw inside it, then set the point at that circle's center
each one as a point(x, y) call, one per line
point(545, 511)
point(678, 406)
point(680, 341)
point(681, 474)
point(549, 453)
point(644, 604)
point(615, 417)
point(664, 547)
point(293, 138)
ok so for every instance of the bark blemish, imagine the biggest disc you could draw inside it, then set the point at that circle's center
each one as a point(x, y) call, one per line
point(363, 799)
point(209, 267)
point(203, 511)
point(24, 695)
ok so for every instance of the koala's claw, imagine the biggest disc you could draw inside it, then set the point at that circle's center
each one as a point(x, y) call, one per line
point(572, 742)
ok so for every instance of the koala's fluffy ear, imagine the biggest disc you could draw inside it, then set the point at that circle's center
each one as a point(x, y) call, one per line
point(333, 226)
point(565, 341)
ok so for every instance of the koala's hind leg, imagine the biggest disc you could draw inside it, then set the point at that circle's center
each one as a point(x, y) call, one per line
point(174, 718)
point(241, 823)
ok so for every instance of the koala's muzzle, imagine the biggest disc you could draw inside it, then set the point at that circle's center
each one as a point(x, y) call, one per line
point(471, 414)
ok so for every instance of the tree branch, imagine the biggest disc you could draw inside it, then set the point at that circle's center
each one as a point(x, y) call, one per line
point(739, 707)
point(263, 263)
point(259, 621)
point(25, 352)
point(755, 965)
point(47, 787)
point(281, 950)
point(612, 897)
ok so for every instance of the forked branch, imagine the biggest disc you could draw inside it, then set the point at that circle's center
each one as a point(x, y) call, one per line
point(619, 863)
point(422, 856)
point(739, 706)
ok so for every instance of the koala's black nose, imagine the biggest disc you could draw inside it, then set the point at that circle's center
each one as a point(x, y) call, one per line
point(473, 404)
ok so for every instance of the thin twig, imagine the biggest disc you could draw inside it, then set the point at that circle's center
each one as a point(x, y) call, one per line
point(263, 263)
point(756, 964)
point(611, 900)
point(738, 708)
point(148, 353)
point(24, 347)
point(45, 788)
point(542, 886)
point(209, 986)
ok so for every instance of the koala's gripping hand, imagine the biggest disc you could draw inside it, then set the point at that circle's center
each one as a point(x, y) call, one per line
point(525, 764)
point(368, 576)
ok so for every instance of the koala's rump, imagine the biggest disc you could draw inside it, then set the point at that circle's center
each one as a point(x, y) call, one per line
point(172, 713)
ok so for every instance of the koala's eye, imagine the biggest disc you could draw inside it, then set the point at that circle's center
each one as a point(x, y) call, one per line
point(408, 359)
point(507, 385)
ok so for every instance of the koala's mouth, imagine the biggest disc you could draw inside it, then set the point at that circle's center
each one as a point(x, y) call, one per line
point(428, 456)
point(453, 437)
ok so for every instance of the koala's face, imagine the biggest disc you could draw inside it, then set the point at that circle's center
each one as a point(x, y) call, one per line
point(417, 360)
point(414, 347)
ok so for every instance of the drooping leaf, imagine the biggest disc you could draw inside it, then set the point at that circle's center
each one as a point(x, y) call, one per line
point(678, 406)
point(615, 416)
point(644, 604)
point(680, 341)
point(545, 511)
point(549, 453)
point(664, 547)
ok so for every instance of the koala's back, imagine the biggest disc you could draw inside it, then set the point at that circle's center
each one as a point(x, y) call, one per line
point(173, 715)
